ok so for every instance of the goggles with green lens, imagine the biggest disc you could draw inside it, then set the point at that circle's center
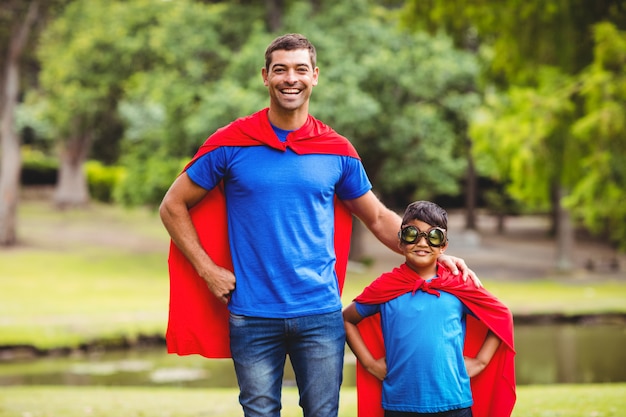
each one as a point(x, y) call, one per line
point(435, 236)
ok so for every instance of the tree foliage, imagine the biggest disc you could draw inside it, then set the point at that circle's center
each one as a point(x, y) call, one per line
point(99, 54)
point(399, 95)
point(598, 197)
point(521, 35)
point(170, 73)
point(519, 138)
point(570, 130)
point(547, 133)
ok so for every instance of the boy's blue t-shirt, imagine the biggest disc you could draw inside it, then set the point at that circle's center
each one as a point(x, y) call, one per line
point(280, 208)
point(424, 336)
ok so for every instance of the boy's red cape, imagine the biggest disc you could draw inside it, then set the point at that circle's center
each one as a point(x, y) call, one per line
point(198, 321)
point(493, 390)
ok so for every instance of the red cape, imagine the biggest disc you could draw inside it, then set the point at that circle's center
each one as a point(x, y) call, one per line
point(198, 321)
point(493, 390)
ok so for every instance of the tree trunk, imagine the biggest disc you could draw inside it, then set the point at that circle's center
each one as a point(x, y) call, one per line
point(564, 236)
point(11, 160)
point(72, 189)
point(274, 14)
point(470, 190)
point(357, 247)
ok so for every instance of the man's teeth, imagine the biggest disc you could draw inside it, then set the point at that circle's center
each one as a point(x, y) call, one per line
point(291, 91)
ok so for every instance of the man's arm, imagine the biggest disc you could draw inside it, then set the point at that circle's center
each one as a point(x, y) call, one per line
point(385, 224)
point(377, 367)
point(381, 221)
point(174, 211)
point(483, 357)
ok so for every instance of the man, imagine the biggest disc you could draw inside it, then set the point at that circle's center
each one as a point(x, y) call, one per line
point(285, 185)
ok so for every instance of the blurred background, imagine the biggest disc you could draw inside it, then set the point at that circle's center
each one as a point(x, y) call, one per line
point(509, 114)
point(511, 107)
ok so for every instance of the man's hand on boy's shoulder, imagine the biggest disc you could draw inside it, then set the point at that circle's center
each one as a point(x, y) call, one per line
point(456, 266)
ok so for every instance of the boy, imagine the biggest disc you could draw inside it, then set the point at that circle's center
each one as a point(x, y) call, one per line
point(426, 362)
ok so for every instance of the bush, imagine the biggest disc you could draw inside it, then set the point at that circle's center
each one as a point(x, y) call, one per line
point(146, 180)
point(38, 168)
point(102, 180)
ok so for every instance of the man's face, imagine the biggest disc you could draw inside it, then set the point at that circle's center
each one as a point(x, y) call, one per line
point(290, 79)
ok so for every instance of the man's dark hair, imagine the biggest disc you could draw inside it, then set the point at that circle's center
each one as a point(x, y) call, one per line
point(427, 212)
point(290, 42)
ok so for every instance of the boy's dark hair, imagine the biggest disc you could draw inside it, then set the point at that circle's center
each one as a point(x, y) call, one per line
point(290, 42)
point(428, 212)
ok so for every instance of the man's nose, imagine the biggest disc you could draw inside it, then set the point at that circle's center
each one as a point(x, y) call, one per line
point(291, 77)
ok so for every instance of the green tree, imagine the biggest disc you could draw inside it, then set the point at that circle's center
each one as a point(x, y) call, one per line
point(20, 24)
point(10, 143)
point(522, 141)
point(86, 54)
point(97, 51)
point(598, 196)
point(398, 96)
point(525, 43)
point(170, 73)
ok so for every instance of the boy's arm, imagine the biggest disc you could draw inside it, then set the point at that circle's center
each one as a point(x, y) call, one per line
point(483, 357)
point(377, 367)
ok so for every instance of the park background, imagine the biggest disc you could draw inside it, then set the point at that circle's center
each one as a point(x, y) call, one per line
point(512, 115)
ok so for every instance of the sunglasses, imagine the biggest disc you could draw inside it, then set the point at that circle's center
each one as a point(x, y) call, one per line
point(435, 236)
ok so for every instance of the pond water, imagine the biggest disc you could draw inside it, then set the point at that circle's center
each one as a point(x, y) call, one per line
point(546, 354)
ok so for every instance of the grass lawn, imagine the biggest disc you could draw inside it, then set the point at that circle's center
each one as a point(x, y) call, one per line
point(81, 275)
point(533, 401)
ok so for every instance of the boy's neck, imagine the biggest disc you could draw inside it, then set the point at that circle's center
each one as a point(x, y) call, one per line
point(426, 272)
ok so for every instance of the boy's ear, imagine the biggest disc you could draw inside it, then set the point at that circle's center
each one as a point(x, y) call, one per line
point(400, 245)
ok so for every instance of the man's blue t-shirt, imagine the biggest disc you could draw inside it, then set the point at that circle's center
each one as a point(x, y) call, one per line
point(280, 208)
point(424, 336)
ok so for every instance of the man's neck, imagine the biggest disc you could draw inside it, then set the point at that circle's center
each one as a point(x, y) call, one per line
point(287, 120)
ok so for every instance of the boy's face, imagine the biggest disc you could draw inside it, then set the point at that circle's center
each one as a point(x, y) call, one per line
point(419, 255)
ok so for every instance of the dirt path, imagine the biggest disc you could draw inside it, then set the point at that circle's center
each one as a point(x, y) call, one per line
point(524, 251)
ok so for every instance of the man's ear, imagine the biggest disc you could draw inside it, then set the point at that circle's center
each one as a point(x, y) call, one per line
point(264, 75)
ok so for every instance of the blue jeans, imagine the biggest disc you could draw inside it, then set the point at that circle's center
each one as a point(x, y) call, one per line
point(315, 345)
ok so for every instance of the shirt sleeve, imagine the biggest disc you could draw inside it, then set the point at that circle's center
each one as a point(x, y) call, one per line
point(209, 169)
point(366, 310)
point(354, 181)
